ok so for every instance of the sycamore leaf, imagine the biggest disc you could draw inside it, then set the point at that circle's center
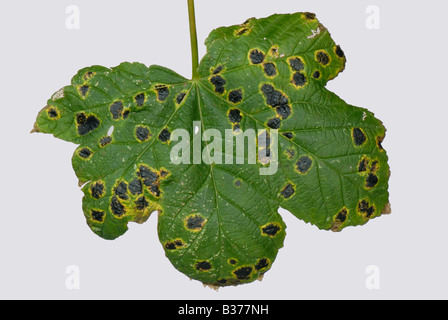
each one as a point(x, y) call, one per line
point(219, 220)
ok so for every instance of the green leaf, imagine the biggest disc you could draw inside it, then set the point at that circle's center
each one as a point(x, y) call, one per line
point(219, 223)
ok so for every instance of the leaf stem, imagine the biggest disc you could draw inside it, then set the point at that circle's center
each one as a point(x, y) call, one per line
point(193, 39)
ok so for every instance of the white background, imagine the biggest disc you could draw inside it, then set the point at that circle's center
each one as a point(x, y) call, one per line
point(399, 72)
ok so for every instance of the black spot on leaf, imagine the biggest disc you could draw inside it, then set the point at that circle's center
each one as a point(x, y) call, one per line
point(271, 229)
point(288, 135)
point(85, 153)
point(274, 98)
point(97, 215)
point(141, 204)
point(366, 209)
point(274, 123)
point(180, 97)
point(262, 264)
point(140, 100)
point(342, 216)
point(283, 111)
point(218, 69)
point(243, 273)
point(219, 83)
point(296, 64)
point(371, 181)
point(203, 266)
point(339, 52)
point(359, 138)
point(122, 191)
point(136, 187)
point(256, 56)
point(363, 164)
point(235, 116)
point(299, 79)
point(162, 92)
point(304, 164)
point(269, 69)
point(165, 135)
point(97, 190)
point(288, 191)
point(322, 57)
point(309, 16)
point(142, 133)
point(316, 74)
point(83, 90)
point(116, 207)
point(116, 109)
point(104, 141)
point(195, 222)
point(236, 96)
point(53, 113)
point(233, 261)
point(86, 124)
point(148, 176)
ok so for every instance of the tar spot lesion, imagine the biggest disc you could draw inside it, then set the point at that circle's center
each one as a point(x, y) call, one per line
point(195, 222)
point(165, 135)
point(116, 110)
point(242, 31)
point(359, 137)
point(270, 70)
point(339, 219)
point(288, 135)
point(363, 164)
point(142, 133)
point(83, 91)
point(276, 99)
point(85, 153)
point(163, 92)
point(274, 123)
point(288, 191)
point(232, 261)
point(309, 16)
point(174, 244)
point(88, 75)
point(53, 113)
point(104, 141)
point(316, 74)
point(271, 229)
point(366, 209)
point(290, 153)
point(339, 52)
point(304, 165)
point(218, 69)
point(86, 124)
point(274, 52)
point(262, 264)
point(322, 57)
point(371, 180)
point(256, 56)
point(141, 204)
point(243, 273)
point(151, 179)
point(180, 97)
point(379, 141)
point(296, 63)
point(117, 208)
point(97, 215)
point(238, 183)
point(299, 80)
point(121, 190)
point(235, 116)
point(136, 187)
point(219, 83)
point(140, 99)
point(97, 189)
point(203, 266)
point(236, 96)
